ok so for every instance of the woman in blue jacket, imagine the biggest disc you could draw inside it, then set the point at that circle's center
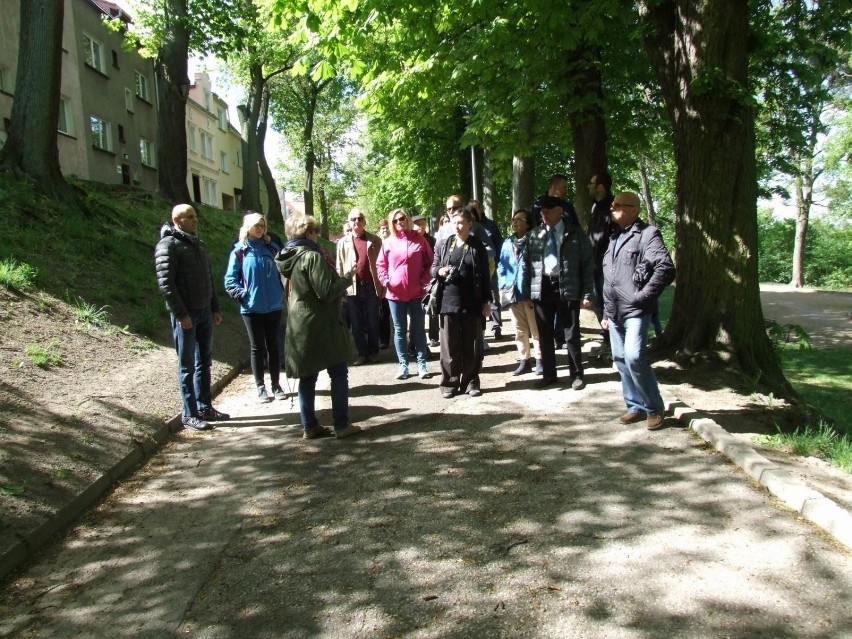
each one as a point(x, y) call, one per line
point(252, 279)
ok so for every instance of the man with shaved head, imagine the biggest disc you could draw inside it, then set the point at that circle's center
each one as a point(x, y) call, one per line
point(637, 267)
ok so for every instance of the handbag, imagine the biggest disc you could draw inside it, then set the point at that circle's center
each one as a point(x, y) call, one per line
point(507, 297)
point(432, 302)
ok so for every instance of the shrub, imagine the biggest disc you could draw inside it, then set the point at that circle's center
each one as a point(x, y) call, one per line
point(17, 276)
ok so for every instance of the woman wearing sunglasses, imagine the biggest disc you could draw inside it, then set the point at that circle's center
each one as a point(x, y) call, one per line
point(403, 266)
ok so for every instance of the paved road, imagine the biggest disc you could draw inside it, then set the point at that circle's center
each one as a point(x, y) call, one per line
point(521, 513)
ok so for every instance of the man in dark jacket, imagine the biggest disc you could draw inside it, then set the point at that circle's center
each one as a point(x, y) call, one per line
point(495, 242)
point(637, 267)
point(186, 282)
point(559, 282)
point(600, 229)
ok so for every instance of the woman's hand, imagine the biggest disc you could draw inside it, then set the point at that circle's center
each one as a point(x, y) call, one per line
point(443, 271)
point(486, 310)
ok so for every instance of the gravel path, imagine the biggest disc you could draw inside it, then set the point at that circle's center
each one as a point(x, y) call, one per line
point(521, 513)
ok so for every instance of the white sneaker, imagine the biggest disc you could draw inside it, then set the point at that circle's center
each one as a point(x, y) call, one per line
point(422, 371)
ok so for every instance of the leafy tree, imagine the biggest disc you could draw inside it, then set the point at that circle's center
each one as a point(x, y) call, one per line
point(30, 150)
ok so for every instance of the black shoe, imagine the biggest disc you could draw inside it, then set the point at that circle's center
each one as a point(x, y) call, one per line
point(210, 414)
point(383, 345)
point(497, 333)
point(523, 367)
point(578, 383)
point(544, 382)
point(539, 367)
point(194, 423)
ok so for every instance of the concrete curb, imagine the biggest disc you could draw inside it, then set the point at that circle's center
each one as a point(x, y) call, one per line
point(809, 503)
point(63, 518)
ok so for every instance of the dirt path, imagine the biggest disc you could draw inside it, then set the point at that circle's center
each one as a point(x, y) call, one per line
point(825, 315)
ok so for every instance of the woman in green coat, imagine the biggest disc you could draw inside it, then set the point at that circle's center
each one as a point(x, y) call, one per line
point(317, 337)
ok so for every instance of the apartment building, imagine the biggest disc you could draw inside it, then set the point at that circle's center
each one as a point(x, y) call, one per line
point(107, 115)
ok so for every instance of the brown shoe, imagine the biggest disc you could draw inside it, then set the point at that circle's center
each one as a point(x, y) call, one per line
point(655, 421)
point(316, 433)
point(360, 361)
point(631, 417)
point(351, 429)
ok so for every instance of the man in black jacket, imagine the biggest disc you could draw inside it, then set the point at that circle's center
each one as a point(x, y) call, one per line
point(186, 282)
point(600, 230)
point(637, 267)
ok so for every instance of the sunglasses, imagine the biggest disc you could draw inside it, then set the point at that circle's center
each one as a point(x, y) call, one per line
point(454, 208)
point(356, 219)
point(397, 220)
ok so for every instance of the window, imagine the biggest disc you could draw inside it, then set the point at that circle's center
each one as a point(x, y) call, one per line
point(223, 161)
point(128, 99)
point(66, 118)
point(142, 87)
point(146, 150)
point(6, 84)
point(121, 134)
point(208, 101)
point(191, 136)
point(101, 137)
point(223, 119)
point(206, 145)
point(93, 53)
point(210, 196)
point(115, 58)
point(239, 158)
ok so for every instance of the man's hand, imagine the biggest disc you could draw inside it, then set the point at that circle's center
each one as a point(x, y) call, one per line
point(217, 319)
point(486, 310)
point(605, 324)
point(186, 323)
point(586, 303)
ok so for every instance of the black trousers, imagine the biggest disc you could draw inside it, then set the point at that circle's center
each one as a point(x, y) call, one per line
point(461, 350)
point(547, 309)
point(262, 329)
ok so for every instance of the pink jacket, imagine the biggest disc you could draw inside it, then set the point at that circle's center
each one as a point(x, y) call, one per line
point(404, 265)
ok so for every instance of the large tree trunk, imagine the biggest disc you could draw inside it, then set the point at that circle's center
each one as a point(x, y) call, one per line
point(646, 191)
point(700, 52)
point(489, 196)
point(273, 212)
point(523, 172)
point(172, 77)
point(588, 128)
point(31, 150)
point(249, 116)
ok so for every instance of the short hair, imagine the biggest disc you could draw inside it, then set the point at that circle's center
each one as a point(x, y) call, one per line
point(605, 179)
point(527, 216)
point(393, 214)
point(465, 213)
point(472, 211)
point(250, 219)
point(555, 178)
point(299, 226)
point(180, 209)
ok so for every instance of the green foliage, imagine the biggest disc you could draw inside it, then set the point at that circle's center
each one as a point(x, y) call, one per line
point(44, 355)
point(819, 440)
point(89, 314)
point(18, 276)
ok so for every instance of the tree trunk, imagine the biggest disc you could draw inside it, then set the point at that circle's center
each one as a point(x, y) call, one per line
point(804, 183)
point(172, 78)
point(646, 191)
point(31, 149)
point(323, 202)
point(523, 171)
point(700, 52)
point(463, 155)
point(489, 196)
point(588, 128)
point(249, 118)
point(273, 212)
point(310, 158)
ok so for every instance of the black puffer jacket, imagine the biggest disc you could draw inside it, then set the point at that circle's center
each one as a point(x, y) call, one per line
point(183, 272)
point(623, 298)
point(575, 263)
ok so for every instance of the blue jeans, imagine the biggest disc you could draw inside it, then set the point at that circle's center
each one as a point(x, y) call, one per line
point(339, 374)
point(194, 348)
point(638, 383)
point(400, 312)
point(364, 316)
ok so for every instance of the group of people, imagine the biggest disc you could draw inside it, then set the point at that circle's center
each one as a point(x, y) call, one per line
point(543, 273)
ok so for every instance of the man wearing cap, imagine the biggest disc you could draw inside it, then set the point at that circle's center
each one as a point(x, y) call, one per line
point(559, 283)
point(629, 301)
point(356, 254)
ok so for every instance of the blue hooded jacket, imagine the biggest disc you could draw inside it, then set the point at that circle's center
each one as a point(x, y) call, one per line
point(252, 277)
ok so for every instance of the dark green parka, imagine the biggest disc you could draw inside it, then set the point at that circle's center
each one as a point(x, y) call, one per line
point(317, 336)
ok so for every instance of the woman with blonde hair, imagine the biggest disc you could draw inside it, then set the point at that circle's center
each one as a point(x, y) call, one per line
point(403, 266)
point(252, 279)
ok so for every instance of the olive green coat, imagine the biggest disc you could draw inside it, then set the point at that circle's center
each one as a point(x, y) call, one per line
point(317, 336)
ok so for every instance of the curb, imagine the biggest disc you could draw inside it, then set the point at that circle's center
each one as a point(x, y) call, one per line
point(809, 503)
point(28, 544)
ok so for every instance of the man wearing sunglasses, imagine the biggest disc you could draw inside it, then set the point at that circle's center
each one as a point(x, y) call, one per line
point(356, 254)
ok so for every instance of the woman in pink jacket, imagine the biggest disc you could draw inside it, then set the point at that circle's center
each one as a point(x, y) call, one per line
point(403, 266)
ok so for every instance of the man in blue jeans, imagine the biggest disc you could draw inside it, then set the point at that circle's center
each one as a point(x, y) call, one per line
point(186, 282)
point(637, 267)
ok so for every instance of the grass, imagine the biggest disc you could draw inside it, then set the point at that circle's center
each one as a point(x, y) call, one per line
point(44, 355)
point(90, 315)
point(814, 441)
point(18, 276)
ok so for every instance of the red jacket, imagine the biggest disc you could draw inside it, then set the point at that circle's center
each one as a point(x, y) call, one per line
point(403, 266)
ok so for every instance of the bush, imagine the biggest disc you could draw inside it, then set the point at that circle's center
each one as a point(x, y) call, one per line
point(17, 276)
